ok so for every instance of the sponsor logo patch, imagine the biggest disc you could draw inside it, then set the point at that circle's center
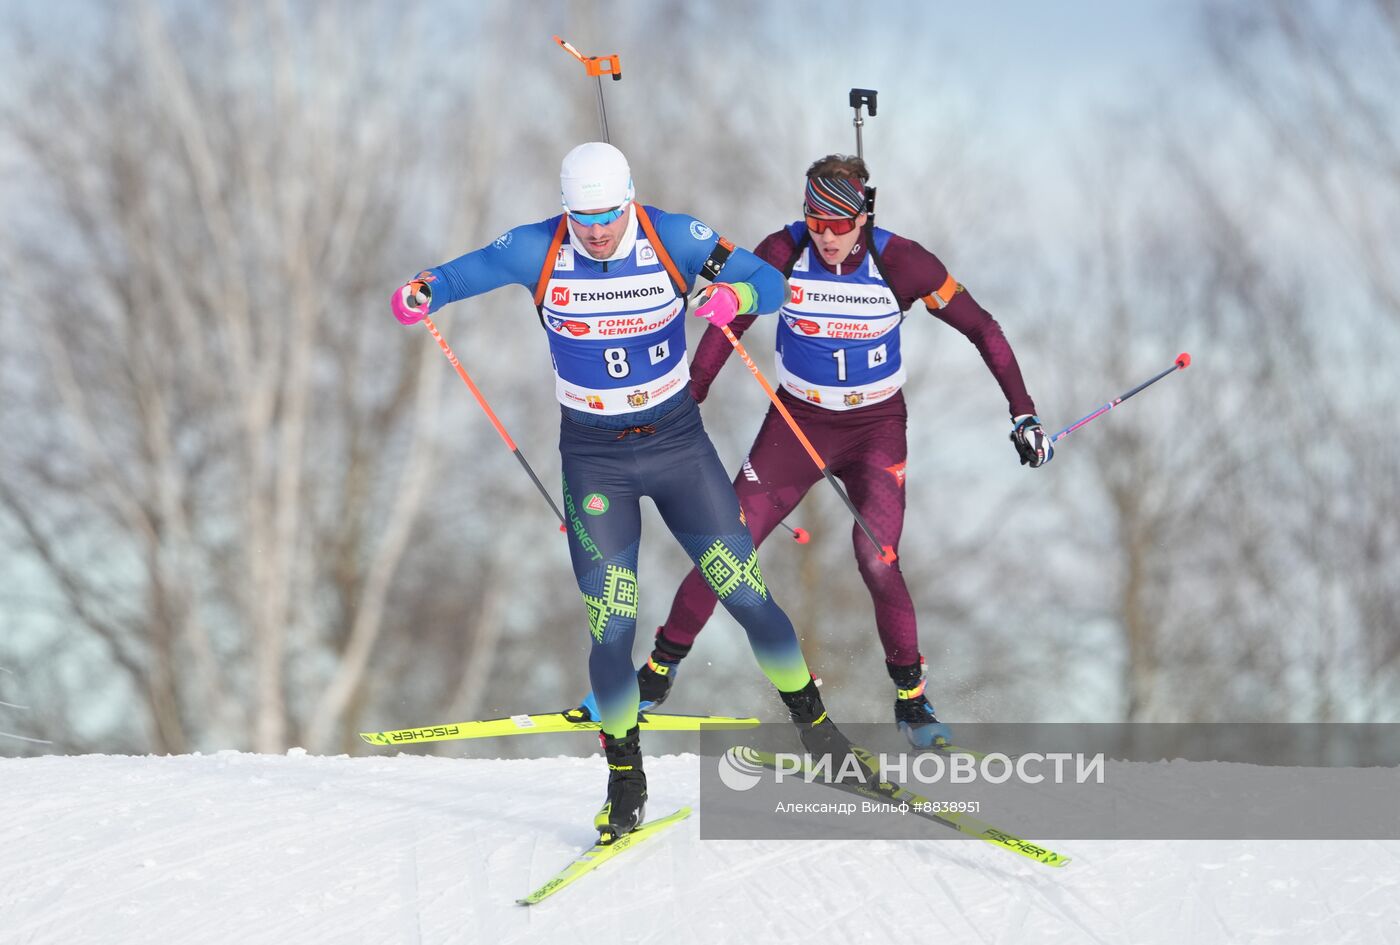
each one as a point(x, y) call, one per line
point(503, 240)
point(897, 471)
point(814, 395)
point(620, 295)
point(854, 399)
point(638, 398)
point(797, 293)
point(595, 503)
point(559, 295)
point(574, 328)
point(850, 298)
point(595, 402)
point(700, 231)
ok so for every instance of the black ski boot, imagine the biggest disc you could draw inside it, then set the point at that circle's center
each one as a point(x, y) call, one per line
point(656, 675)
point(627, 788)
point(912, 713)
point(819, 734)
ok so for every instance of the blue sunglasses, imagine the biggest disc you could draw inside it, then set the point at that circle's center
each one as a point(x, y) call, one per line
point(604, 218)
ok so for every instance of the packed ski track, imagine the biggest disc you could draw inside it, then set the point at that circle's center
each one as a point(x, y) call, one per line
point(297, 848)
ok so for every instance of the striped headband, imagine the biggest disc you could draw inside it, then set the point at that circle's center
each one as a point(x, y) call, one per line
point(834, 197)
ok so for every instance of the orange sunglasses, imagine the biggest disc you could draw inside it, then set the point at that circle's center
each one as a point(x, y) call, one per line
point(840, 226)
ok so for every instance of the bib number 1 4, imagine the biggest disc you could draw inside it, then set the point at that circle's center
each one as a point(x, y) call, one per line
point(875, 357)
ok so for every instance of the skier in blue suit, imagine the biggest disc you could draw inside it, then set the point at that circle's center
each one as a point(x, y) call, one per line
point(611, 280)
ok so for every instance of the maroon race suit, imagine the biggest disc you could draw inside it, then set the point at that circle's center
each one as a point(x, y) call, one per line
point(864, 447)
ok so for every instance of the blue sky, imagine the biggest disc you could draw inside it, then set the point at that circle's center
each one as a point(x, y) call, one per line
point(1068, 59)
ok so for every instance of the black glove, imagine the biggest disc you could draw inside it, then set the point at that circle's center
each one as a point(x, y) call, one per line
point(1031, 441)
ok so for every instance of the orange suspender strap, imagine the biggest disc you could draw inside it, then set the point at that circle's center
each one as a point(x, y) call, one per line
point(661, 253)
point(548, 268)
point(942, 295)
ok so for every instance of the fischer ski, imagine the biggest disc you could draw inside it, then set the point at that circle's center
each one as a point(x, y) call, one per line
point(600, 853)
point(571, 720)
point(923, 807)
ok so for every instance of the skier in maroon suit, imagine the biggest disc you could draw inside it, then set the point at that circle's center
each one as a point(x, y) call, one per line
point(841, 373)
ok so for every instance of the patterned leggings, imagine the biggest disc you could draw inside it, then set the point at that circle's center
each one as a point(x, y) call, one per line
point(606, 473)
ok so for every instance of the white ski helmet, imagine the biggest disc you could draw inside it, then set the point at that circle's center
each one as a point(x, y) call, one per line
point(594, 176)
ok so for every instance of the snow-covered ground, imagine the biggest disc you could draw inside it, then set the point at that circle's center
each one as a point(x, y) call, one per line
point(294, 849)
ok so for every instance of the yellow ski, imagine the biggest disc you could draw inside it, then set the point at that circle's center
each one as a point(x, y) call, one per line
point(599, 854)
point(572, 720)
point(923, 807)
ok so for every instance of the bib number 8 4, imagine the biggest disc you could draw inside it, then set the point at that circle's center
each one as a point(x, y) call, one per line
point(616, 359)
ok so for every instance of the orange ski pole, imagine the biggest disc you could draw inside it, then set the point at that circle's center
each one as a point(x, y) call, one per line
point(491, 415)
point(887, 554)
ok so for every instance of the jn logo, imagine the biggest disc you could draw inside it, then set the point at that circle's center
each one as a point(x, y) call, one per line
point(559, 295)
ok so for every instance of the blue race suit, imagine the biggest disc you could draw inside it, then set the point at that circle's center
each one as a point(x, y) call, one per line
point(631, 429)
